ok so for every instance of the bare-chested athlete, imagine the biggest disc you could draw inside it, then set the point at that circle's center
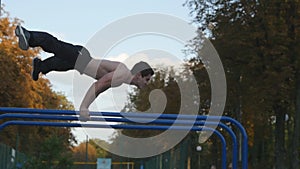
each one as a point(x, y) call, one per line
point(68, 56)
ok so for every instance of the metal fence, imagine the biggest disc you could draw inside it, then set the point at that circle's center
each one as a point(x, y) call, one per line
point(93, 165)
point(10, 158)
point(174, 158)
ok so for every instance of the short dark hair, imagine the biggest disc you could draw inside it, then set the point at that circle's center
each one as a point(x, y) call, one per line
point(143, 68)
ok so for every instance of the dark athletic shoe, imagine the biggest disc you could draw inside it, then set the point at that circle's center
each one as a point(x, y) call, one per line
point(23, 36)
point(36, 68)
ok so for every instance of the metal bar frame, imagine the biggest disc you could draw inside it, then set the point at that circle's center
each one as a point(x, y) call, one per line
point(166, 119)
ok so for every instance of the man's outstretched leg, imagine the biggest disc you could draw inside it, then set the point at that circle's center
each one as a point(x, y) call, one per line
point(53, 63)
point(67, 56)
point(47, 42)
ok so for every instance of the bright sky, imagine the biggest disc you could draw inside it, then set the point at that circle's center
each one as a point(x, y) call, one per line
point(78, 21)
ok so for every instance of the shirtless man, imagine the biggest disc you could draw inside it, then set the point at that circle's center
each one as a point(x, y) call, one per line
point(68, 56)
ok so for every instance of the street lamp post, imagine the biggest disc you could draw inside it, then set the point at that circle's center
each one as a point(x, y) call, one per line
point(199, 148)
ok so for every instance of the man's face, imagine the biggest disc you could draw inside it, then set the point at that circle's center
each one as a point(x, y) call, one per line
point(142, 81)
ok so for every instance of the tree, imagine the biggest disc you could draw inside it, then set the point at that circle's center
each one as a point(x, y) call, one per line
point(52, 154)
point(98, 144)
point(257, 42)
point(85, 152)
point(17, 89)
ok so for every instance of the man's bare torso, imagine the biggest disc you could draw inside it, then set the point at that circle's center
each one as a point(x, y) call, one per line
point(98, 68)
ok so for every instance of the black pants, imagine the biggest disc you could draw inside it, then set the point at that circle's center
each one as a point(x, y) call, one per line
point(66, 56)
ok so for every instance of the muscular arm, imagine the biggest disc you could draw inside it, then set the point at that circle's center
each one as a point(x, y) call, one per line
point(112, 79)
point(96, 88)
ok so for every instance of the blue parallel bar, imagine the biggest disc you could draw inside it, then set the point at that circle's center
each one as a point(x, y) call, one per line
point(157, 121)
point(140, 127)
point(146, 115)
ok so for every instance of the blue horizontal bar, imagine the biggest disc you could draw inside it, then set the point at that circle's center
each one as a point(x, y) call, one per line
point(146, 115)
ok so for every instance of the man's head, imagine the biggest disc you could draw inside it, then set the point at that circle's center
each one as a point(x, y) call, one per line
point(142, 72)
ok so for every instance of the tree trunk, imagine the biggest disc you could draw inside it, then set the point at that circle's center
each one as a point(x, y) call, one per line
point(296, 136)
point(279, 137)
point(292, 21)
